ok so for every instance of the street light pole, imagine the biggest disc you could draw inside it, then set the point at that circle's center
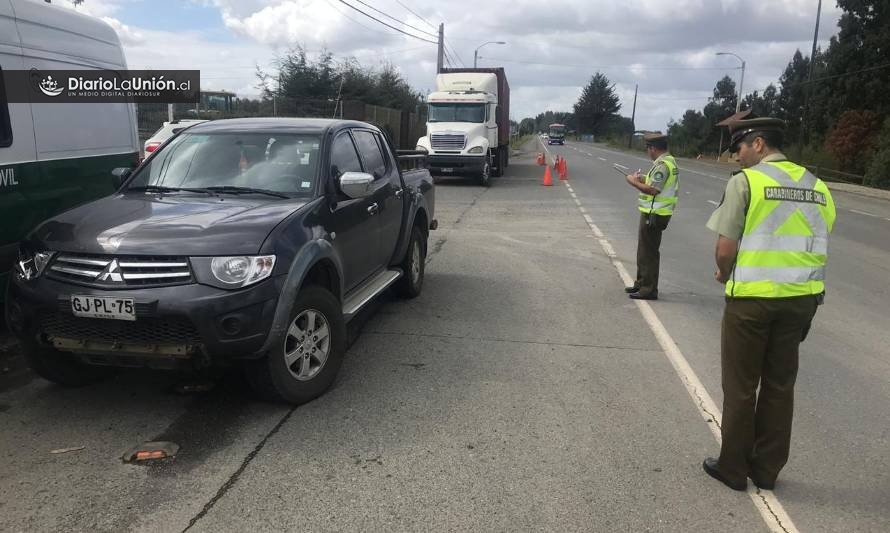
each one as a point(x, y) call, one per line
point(476, 51)
point(738, 102)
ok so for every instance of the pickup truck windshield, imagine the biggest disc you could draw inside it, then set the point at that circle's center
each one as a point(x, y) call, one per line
point(273, 162)
point(457, 113)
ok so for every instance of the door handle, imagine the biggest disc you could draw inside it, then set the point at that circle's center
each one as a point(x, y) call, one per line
point(399, 193)
point(373, 209)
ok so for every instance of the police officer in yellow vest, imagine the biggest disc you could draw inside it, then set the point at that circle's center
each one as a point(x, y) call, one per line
point(659, 189)
point(773, 226)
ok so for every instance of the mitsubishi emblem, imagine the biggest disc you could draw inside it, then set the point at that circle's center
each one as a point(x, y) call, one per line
point(111, 273)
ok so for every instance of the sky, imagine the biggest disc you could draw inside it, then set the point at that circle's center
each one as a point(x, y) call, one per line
point(552, 48)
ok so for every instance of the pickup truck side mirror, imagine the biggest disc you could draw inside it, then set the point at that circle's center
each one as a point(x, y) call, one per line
point(119, 176)
point(356, 184)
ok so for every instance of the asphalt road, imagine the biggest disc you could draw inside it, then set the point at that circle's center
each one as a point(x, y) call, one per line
point(521, 391)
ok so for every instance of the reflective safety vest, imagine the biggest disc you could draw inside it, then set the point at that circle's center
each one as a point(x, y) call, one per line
point(667, 199)
point(784, 247)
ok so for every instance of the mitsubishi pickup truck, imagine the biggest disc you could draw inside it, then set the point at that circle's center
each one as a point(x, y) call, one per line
point(247, 242)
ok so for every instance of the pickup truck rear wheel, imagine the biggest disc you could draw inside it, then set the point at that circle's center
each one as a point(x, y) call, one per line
point(413, 266)
point(306, 361)
point(62, 368)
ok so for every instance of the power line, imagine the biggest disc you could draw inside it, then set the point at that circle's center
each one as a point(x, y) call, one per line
point(428, 23)
point(606, 67)
point(372, 17)
point(454, 53)
point(369, 6)
point(355, 21)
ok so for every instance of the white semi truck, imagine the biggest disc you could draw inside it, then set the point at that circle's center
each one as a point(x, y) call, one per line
point(468, 128)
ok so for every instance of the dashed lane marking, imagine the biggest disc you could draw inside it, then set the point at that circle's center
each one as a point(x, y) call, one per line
point(770, 508)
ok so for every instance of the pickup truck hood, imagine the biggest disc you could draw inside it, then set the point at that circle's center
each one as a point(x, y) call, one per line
point(148, 224)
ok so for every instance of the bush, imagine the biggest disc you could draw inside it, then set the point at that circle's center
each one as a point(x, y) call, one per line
point(878, 174)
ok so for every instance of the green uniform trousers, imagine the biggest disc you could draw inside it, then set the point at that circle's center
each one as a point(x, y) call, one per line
point(759, 346)
point(648, 254)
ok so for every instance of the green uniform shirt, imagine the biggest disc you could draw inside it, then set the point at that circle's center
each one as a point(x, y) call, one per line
point(729, 217)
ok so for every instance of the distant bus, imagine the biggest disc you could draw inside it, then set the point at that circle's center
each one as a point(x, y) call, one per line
point(54, 156)
point(557, 134)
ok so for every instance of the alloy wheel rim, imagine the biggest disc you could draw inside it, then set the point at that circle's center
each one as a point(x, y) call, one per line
point(307, 345)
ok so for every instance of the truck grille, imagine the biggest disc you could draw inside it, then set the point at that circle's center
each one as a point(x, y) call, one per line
point(448, 141)
point(120, 272)
point(143, 331)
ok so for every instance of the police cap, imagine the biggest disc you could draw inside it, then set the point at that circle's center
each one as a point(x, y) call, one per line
point(739, 129)
point(655, 139)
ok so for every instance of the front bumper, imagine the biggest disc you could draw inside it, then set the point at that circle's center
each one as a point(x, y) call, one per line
point(456, 164)
point(185, 322)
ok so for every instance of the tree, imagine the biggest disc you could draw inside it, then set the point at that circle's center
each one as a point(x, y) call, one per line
point(598, 102)
point(527, 126)
point(853, 139)
point(545, 119)
point(792, 95)
point(690, 136)
point(765, 105)
point(313, 86)
point(862, 42)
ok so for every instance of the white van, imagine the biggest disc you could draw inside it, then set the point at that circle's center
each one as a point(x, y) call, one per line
point(56, 155)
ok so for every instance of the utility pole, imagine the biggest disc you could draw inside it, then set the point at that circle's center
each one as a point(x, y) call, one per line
point(440, 58)
point(804, 130)
point(633, 119)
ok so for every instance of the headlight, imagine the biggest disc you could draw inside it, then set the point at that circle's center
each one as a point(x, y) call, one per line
point(475, 150)
point(241, 271)
point(32, 264)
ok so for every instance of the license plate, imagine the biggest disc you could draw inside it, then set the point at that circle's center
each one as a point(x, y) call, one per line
point(103, 307)
point(448, 170)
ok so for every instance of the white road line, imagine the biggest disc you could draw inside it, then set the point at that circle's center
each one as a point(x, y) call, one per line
point(581, 208)
point(858, 212)
point(682, 169)
point(713, 202)
point(771, 510)
point(601, 158)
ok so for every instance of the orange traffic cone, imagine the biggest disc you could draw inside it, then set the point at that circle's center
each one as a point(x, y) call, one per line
point(548, 178)
point(541, 160)
point(563, 170)
point(556, 163)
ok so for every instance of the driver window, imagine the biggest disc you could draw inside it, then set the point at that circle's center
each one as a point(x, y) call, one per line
point(344, 158)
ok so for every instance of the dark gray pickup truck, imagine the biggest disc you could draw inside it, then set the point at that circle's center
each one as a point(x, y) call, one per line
point(245, 241)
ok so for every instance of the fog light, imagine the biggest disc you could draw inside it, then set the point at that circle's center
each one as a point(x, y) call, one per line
point(231, 325)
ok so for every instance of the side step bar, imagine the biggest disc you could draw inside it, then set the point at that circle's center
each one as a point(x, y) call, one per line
point(368, 291)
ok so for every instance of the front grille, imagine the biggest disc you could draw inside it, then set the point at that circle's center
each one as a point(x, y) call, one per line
point(159, 331)
point(120, 272)
point(448, 141)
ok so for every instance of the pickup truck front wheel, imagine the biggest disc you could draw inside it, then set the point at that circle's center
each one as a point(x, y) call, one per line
point(413, 266)
point(306, 361)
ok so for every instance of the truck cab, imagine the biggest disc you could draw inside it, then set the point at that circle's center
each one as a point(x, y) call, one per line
point(468, 124)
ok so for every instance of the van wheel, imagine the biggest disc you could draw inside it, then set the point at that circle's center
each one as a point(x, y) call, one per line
point(62, 368)
point(307, 359)
point(413, 266)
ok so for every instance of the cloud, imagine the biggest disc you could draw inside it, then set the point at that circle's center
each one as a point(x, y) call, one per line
point(553, 47)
